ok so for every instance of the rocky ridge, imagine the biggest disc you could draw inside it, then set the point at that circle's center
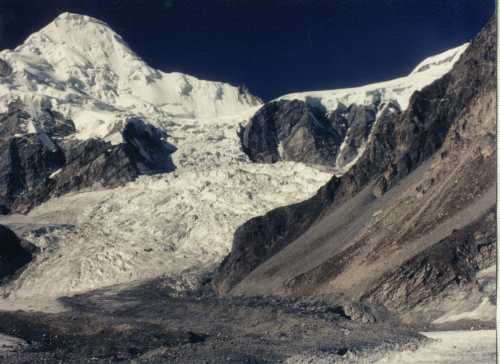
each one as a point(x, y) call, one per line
point(333, 128)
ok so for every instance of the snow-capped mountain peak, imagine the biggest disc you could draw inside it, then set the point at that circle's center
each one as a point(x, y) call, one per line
point(87, 41)
point(441, 60)
point(82, 68)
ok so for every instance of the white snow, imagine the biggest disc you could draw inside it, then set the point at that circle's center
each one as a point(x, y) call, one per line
point(399, 89)
point(159, 225)
point(444, 347)
point(54, 174)
point(485, 310)
point(449, 347)
point(379, 95)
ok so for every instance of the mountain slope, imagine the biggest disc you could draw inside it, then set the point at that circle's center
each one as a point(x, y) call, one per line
point(333, 127)
point(425, 173)
point(177, 224)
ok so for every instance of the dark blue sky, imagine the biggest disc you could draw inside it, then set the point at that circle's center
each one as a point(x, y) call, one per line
point(272, 46)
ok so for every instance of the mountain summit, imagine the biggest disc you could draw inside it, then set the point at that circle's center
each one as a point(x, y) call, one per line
point(81, 67)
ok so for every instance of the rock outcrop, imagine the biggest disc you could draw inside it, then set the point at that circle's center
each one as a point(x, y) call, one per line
point(296, 131)
point(5, 69)
point(290, 130)
point(429, 276)
point(360, 120)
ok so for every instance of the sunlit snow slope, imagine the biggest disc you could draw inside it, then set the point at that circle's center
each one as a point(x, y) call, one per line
point(178, 222)
point(399, 89)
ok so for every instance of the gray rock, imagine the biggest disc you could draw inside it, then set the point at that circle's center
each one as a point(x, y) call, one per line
point(5, 68)
point(290, 130)
point(147, 146)
point(360, 119)
point(304, 132)
point(488, 145)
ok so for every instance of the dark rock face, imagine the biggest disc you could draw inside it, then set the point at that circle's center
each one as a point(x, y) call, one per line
point(25, 167)
point(360, 120)
point(35, 167)
point(14, 253)
point(400, 142)
point(261, 237)
point(5, 69)
point(339, 120)
point(54, 124)
point(244, 95)
point(147, 147)
point(15, 121)
point(290, 130)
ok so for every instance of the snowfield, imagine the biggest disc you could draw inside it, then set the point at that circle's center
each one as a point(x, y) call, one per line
point(486, 309)
point(157, 225)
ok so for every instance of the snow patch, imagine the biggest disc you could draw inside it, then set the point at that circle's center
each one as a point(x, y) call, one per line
point(457, 347)
point(444, 347)
point(399, 89)
point(54, 174)
point(11, 344)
